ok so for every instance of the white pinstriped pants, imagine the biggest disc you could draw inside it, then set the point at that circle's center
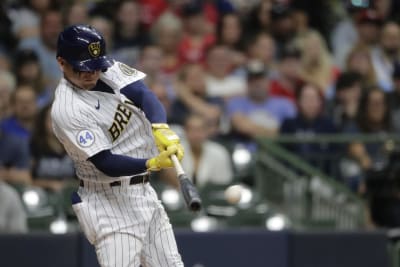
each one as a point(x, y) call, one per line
point(127, 224)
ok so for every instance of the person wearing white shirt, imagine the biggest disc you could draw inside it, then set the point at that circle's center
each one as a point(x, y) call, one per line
point(205, 161)
point(220, 82)
point(386, 54)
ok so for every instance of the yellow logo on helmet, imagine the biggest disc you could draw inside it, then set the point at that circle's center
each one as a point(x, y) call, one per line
point(94, 49)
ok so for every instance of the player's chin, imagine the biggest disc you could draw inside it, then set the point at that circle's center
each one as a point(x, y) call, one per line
point(89, 84)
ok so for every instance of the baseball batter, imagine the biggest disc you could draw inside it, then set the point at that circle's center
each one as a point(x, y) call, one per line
point(114, 129)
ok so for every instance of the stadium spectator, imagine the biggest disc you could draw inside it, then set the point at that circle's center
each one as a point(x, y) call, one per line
point(345, 104)
point(321, 15)
point(262, 47)
point(282, 28)
point(45, 46)
point(385, 8)
point(300, 21)
point(244, 8)
point(150, 60)
point(52, 168)
point(230, 34)
point(192, 98)
point(129, 34)
point(128, 29)
point(361, 27)
point(385, 54)
point(316, 62)
point(8, 40)
point(394, 98)
point(309, 122)
point(76, 13)
point(258, 19)
point(167, 33)
point(5, 61)
point(373, 117)
point(7, 86)
point(197, 38)
point(220, 81)
point(152, 10)
point(257, 114)
point(344, 36)
point(21, 122)
point(211, 11)
point(205, 161)
point(26, 17)
point(229, 31)
point(14, 159)
point(286, 78)
point(28, 71)
point(359, 60)
point(12, 213)
point(368, 26)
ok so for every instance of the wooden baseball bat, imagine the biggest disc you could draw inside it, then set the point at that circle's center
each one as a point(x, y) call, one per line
point(189, 191)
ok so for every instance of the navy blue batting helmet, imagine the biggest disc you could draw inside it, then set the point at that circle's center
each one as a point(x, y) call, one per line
point(84, 48)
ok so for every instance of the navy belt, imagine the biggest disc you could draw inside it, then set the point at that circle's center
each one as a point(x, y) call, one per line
point(139, 179)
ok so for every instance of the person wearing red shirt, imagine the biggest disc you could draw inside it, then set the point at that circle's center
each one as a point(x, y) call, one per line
point(197, 35)
point(287, 78)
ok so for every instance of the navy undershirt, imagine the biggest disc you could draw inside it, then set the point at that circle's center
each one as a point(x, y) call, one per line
point(119, 165)
point(115, 165)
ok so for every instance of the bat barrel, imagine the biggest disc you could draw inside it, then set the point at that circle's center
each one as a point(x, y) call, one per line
point(190, 194)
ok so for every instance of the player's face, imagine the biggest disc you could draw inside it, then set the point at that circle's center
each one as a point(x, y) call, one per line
point(83, 79)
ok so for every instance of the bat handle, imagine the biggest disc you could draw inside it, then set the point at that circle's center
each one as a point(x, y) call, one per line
point(178, 166)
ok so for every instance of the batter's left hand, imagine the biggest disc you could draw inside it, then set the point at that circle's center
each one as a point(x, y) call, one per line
point(162, 160)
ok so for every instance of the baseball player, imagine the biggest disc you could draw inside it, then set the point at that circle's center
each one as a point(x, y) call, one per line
point(114, 129)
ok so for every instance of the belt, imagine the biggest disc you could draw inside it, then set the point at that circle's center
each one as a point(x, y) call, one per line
point(139, 179)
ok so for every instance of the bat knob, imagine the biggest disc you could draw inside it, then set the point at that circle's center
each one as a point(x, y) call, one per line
point(195, 204)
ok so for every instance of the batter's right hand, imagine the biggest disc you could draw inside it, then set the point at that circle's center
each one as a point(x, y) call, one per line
point(180, 151)
point(163, 160)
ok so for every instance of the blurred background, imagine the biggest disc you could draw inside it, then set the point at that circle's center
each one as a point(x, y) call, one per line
point(289, 112)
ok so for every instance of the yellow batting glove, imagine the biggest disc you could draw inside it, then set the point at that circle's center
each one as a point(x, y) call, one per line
point(162, 160)
point(179, 152)
point(164, 136)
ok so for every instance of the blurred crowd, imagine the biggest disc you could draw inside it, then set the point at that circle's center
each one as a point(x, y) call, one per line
point(226, 71)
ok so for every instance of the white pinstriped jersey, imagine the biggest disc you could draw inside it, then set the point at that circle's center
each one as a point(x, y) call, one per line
point(87, 122)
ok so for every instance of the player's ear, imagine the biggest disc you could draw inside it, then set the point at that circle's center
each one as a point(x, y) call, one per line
point(61, 63)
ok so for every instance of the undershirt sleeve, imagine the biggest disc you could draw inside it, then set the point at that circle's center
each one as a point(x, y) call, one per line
point(115, 165)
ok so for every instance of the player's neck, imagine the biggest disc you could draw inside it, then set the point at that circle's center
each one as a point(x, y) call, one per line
point(74, 85)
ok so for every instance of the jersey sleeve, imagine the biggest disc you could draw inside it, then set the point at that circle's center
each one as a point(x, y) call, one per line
point(126, 81)
point(120, 75)
point(80, 134)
